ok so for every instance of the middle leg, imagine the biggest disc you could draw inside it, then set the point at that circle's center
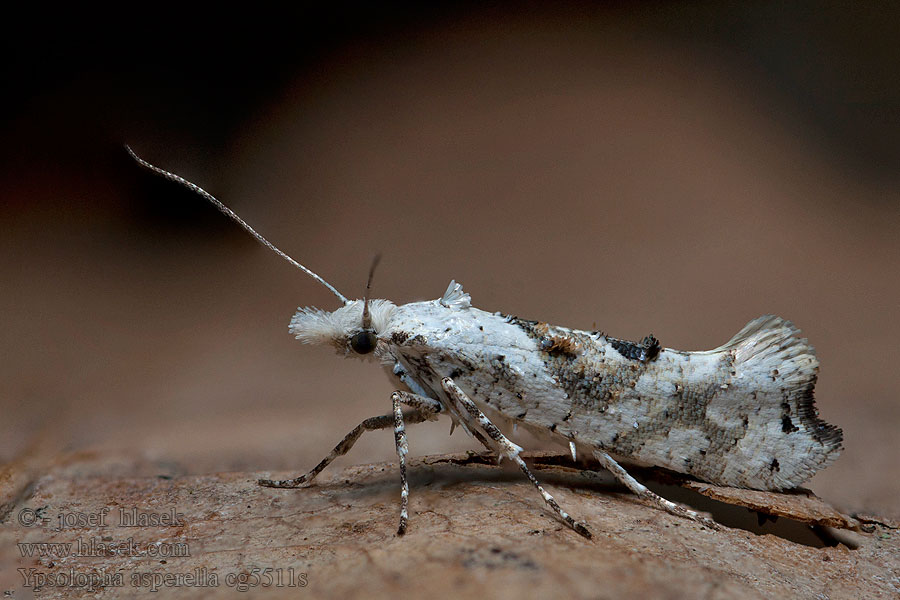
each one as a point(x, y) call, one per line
point(509, 449)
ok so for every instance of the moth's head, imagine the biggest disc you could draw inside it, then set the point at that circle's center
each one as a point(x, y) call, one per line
point(346, 329)
point(353, 328)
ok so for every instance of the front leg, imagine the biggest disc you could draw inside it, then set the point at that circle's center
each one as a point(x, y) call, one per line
point(402, 451)
point(508, 448)
point(425, 409)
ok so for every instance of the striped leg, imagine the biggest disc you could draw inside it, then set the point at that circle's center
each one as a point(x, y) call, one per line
point(425, 409)
point(635, 486)
point(509, 449)
point(402, 451)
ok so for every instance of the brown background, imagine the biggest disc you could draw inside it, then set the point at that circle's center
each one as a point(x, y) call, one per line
point(631, 168)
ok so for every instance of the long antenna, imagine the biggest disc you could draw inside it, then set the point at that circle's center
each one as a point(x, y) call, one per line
point(230, 213)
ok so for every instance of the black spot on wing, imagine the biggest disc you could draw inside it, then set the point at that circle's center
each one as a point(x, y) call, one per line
point(787, 426)
point(646, 350)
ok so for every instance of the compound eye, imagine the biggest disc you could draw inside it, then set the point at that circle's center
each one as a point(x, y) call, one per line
point(363, 342)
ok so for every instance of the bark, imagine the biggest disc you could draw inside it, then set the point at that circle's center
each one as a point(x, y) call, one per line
point(475, 529)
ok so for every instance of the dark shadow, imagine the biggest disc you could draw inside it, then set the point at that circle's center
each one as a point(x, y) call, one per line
point(561, 470)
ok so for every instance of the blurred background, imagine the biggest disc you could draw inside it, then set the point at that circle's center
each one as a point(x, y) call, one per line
point(634, 167)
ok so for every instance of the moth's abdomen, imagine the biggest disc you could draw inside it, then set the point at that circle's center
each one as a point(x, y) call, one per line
point(777, 371)
point(747, 418)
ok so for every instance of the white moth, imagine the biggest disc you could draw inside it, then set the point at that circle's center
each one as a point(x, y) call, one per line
point(740, 415)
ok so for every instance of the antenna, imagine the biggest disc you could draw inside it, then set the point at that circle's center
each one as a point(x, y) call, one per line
point(366, 317)
point(230, 213)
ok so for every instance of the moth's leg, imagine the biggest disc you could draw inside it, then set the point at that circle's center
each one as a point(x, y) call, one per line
point(402, 451)
point(509, 449)
point(477, 435)
point(425, 409)
point(635, 486)
point(398, 398)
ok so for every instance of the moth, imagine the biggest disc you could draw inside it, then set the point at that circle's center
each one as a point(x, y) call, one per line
point(740, 415)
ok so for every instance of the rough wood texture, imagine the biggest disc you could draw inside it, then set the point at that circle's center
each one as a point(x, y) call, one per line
point(474, 527)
